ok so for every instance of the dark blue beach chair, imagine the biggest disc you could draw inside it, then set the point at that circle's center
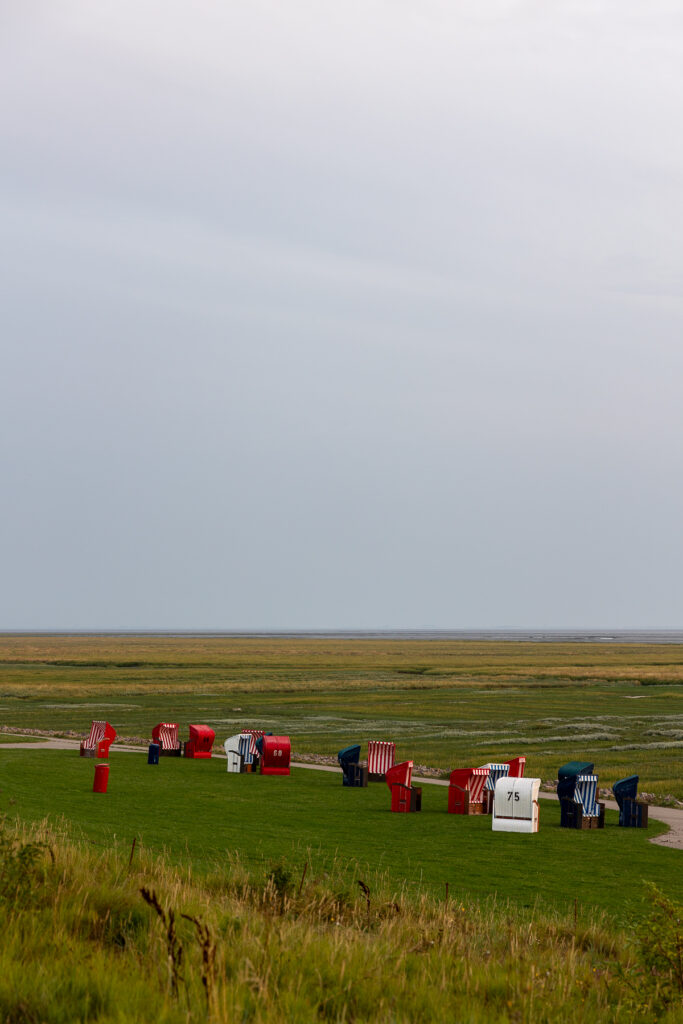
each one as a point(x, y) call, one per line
point(632, 812)
point(576, 790)
point(354, 773)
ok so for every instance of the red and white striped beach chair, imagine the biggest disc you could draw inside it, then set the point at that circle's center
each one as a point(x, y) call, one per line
point(255, 757)
point(166, 735)
point(404, 797)
point(466, 790)
point(101, 735)
point(381, 756)
point(517, 765)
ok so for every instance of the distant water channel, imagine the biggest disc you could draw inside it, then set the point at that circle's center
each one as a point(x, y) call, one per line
point(582, 636)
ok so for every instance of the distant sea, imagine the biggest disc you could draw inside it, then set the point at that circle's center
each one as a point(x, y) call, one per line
point(582, 636)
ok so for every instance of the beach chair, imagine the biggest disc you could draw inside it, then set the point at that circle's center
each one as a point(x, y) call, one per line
point(632, 812)
point(275, 755)
point(166, 735)
point(404, 797)
point(248, 751)
point(516, 767)
point(232, 753)
point(354, 773)
point(256, 735)
point(466, 790)
point(97, 743)
point(200, 742)
point(381, 755)
point(577, 788)
point(515, 804)
point(496, 771)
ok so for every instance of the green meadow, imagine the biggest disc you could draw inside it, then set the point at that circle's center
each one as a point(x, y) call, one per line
point(445, 703)
point(196, 895)
point(197, 814)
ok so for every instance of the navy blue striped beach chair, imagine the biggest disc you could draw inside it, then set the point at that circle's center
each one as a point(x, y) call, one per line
point(577, 789)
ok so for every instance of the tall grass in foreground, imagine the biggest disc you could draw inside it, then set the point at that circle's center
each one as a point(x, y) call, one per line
point(104, 937)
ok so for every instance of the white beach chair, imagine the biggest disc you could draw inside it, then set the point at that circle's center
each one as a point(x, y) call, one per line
point(515, 805)
point(232, 753)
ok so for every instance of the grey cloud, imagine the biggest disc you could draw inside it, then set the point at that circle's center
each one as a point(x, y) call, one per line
point(358, 316)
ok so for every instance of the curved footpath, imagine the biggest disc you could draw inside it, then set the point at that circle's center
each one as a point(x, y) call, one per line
point(671, 816)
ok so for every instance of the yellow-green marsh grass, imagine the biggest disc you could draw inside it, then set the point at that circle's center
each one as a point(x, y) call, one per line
point(446, 703)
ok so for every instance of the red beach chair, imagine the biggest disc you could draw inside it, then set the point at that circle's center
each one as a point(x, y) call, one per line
point(166, 735)
point(200, 741)
point(466, 790)
point(404, 797)
point(276, 751)
point(101, 735)
point(517, 765)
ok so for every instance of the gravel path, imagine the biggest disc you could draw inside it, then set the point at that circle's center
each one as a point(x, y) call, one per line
point(671, 816)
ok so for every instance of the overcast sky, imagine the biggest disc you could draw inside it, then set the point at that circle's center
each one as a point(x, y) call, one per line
point(361, 314)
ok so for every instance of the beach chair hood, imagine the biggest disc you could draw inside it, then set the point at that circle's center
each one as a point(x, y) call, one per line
point(202, 734)
point(381, 754)
point(166, 735)
point(400, 774)
point(625, 789)
point(567, 776)
point(349, 755)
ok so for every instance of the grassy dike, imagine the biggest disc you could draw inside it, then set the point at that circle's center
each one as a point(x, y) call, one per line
point(89, 935)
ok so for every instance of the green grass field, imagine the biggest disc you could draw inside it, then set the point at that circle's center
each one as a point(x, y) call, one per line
point(555, 927)
point(445, 703)
point(198, 814)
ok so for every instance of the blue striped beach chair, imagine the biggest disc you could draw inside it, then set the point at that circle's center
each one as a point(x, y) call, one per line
point(247, 748)
point(585, 794)
point(496, 771)
point(583, 810)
